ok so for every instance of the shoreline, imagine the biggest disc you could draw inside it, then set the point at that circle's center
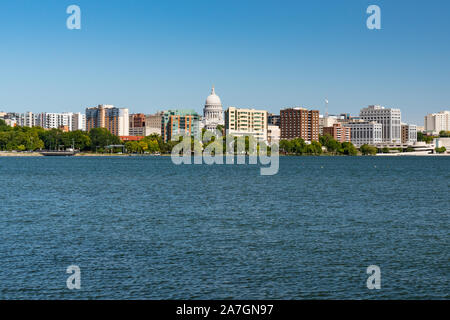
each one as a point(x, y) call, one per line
point(37, 154)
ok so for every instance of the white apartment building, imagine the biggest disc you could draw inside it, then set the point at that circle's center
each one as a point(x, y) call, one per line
point(25, 120)
point(123, 124)
point(78, 121)
point(365, 132)
point(437, 122)
point(389, 118)
point(50, 120)
point(241, 122)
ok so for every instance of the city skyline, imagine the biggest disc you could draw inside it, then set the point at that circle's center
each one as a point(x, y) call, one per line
point(258, 54)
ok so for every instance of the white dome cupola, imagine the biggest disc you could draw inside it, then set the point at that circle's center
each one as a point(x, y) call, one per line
point(213, 99)
point(212, 112)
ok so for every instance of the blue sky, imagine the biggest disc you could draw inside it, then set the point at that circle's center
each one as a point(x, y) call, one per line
point(154, 55)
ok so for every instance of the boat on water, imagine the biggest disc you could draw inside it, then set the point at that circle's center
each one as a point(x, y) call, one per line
point(59, 153)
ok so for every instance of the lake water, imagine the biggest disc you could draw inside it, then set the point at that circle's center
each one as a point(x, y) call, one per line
point(144, 228)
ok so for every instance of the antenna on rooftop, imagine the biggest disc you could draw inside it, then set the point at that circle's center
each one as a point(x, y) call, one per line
point(326, 107)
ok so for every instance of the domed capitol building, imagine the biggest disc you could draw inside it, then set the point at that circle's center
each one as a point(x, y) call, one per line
point(212, 112)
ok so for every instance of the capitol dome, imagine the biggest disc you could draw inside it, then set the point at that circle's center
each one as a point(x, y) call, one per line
point(212, 112)
point(213, 99)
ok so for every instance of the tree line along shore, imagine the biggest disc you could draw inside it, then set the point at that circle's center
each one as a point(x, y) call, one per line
point(27, 141)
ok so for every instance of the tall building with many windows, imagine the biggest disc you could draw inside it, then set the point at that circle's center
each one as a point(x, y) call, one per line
point(299, 123)
point(338, 132)
point(116, 120)
point(145, 125)
point(242, 122)
point(437, 122)
point(66, 120)
point(25, 119)
point(179, 122)
point(52, 120)
point(78, 121)
point(365, 132)
point(137, 124)
point(153, 123)
point(389, 118)
point(409, 133)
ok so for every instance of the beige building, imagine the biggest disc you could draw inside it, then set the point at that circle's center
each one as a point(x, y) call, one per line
point(116, 120)
point(437, 122)
point(240, 122)
point(145, 125)
point(326, 121)
point(153, 123)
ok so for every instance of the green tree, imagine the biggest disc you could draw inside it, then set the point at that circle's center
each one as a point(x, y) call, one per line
point(52, 138)
point(315, 148)
point(81, 140)
point(428, 139)
point(440, 150)
point(286, 146)
point(4, 126)
point(143, 146)
point(349, 149)
point(101, 137)
point(368, 150)
point(420, 136)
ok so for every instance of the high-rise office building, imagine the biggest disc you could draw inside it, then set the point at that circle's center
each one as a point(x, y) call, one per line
point(299, 123)
point(389, 118)
point(365, 132)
